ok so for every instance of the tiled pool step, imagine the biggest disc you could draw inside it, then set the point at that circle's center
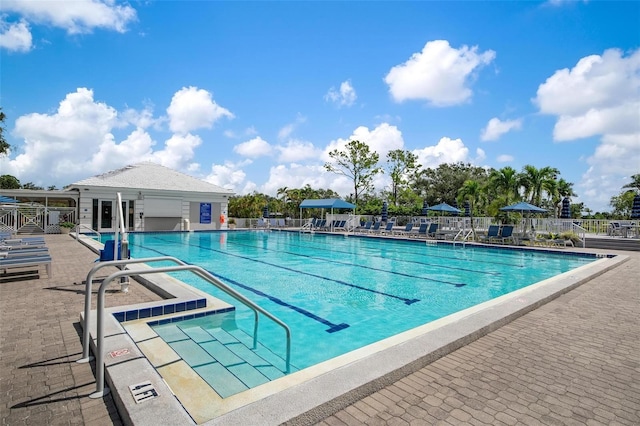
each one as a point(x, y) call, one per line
point(223, 358)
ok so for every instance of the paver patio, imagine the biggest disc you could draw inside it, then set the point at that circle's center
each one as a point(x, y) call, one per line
point(575, 360)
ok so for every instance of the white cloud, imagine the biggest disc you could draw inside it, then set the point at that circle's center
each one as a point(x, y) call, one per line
point(77, 140)
point(447, 150)
point(346, 96)
point(192, 108)
point(496, 128)
point(504, 158)
point(297, 176)
point(230, 175)
point(254, 148)
point(288, 129)
point(599, 96)
point(439, 74)
point(296, 150)
point(15, 37)
point(76, 17)
point(382, 139)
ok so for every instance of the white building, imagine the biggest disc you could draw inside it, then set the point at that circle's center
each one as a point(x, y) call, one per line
point(154, 198)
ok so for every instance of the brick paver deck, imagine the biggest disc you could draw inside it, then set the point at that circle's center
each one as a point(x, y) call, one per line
point(575, 360)
point(40, 339)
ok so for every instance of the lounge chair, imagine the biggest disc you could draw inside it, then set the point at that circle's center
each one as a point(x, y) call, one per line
point(506, 233)
point(431, 232)
point(366, 227)
point(422, 230)
point(26, 261)
point(407, 229)
point(492, 232)
point(375, 227)
point(388, 229)
point(341, 225)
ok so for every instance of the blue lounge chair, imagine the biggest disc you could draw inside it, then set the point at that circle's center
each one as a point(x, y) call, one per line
point(506, 233)
point(26, 261)
point(388, 229)
point(366, 227)
point(375, 227)
point(492, 232)
point(422, 230)
point(431, 232)
point(407, 229)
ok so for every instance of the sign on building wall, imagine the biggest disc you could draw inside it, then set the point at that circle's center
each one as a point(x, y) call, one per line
point(205, 212)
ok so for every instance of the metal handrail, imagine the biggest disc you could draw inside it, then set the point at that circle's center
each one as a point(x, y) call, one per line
point(583, 233)
point(101, 391)
point(87, 295)
point(80, 225)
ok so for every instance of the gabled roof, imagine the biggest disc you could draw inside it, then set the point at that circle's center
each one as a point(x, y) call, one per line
point(147, 175)
point(326, 203)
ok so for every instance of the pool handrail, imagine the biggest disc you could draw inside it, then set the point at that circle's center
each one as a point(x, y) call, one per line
point(101, 391)
point(81, 225)
point(86, 357)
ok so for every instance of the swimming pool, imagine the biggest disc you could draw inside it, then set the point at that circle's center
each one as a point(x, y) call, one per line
point(341, 293)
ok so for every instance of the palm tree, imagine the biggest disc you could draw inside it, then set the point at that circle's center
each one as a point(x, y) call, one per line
point(472, 192)
point(504, 182)
point(635, 184)
point(537, 181)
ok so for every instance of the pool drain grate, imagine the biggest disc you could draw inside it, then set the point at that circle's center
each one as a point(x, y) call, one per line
point(143, 391)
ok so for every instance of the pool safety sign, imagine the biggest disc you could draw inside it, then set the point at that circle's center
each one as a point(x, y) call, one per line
point(205, 212)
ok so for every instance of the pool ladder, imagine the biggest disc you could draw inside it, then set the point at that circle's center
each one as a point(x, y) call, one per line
point(101, 390)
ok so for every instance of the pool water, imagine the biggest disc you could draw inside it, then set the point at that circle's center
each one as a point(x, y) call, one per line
point(338, 293)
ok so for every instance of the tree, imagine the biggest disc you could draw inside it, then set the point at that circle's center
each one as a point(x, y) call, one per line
point(31, 185)
point(504, 184)
point(635, 184)
point(9, 182)
point(442, 183)
point(356, 162)
point(402, 167)
point(4, 146)
point(471, 191)
point(537, 181)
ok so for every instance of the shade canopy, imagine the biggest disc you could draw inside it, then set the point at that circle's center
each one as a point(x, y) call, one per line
point(4, 199)
point(467, 208)
point(523, 207)
point(265, 212)
point(444, 207)
point(635, 208)
point(326, 203)
point(385, 212)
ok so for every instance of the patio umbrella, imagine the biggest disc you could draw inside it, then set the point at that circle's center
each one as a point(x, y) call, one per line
point(467, 209)
point(444, 208)
point(565, 213)
point(635, 209)
point(385, 211)
point(523, 207)
point(425, 208)
point(455, 206)
point(265, 212)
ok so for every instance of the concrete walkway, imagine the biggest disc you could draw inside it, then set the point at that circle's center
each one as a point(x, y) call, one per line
point(575, 360)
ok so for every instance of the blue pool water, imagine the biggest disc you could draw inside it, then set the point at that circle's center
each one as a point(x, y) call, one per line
point(341, 293)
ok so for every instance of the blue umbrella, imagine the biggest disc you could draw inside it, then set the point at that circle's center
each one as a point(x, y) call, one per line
point(425, 208)
point(523, 207)
point(385, 211)
point(565, 213)
point(265, 212)
point(635, 209)
point(444, 208)
point(467, 209)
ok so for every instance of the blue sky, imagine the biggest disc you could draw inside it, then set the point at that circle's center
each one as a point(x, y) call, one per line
point(253, 95)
